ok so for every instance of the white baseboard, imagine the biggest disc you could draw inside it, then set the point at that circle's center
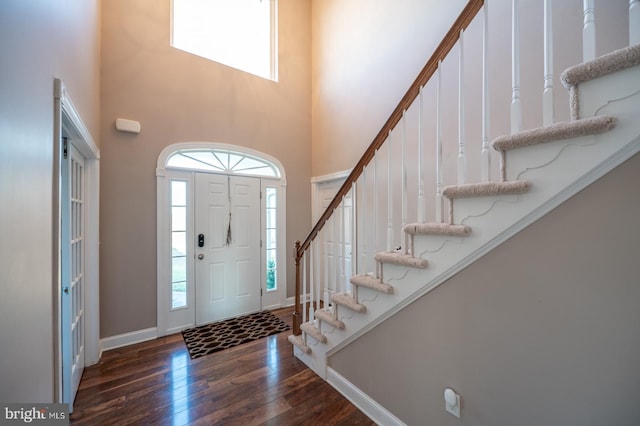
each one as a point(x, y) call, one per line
point(126, 339)
point(368, 406)
point(290, 301)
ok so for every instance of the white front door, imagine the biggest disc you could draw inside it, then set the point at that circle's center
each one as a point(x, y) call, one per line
point(72, 271)
point(227, 240)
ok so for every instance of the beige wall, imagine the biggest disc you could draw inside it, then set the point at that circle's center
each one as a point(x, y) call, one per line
point(541, 331)
point(366, 54)
point(179, 97)
point(39, 40)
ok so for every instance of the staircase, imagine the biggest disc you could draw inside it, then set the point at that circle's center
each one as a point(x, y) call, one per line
point(539, 169)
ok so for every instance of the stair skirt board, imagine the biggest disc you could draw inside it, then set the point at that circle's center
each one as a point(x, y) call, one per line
point(357, 397)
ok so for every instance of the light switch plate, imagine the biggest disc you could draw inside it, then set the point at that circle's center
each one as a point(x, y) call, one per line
point(453, 409)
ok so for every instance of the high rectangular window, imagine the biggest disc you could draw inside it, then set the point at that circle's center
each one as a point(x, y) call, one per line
point(238, 33)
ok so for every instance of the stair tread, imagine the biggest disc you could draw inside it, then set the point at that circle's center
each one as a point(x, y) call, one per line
point(298, 342)
point(486, 189)
point(327, 316)
point(607, 64)
point(437, 228)
point(347, 300)
point(555, 132)
point(313, 331)
point(372, 283)
point(401, 259)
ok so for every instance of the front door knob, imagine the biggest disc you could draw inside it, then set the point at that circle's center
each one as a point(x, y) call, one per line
point(201, 256)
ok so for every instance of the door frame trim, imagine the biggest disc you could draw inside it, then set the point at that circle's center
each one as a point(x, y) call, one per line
point(164, 174)
point(316, 181)
point(67, 122)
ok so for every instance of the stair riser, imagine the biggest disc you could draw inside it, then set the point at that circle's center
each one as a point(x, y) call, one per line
point(478, 206)
point(596, 93)
point(521, 160)
point(426, 244)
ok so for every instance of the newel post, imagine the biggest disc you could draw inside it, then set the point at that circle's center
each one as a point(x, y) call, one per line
point(296, 308)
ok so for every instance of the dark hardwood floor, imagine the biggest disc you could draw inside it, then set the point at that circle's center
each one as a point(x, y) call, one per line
point(258, 383)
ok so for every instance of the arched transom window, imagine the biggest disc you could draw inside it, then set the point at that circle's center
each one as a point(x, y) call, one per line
point(222, 161)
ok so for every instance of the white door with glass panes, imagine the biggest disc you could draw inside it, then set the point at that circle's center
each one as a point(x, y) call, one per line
point(72, 231)
point(227, 246)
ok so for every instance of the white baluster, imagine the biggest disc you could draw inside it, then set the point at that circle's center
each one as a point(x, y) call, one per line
point(316, 272)
point(336, 248)
point(403, 170)
point(390, 197)
point(547, 95)
point(327, 279)
point(516, 107)
point(634, 22)
point(341, 234)
point(485, 166)
point(589, 32)
point(363, 263)
point(305, 318)
point(309, 282)
point(354, 239)
point(420, 159)
point(462, 166)
point(375, 208)
point(312, 283)
point(354, 231)
point(439, 197)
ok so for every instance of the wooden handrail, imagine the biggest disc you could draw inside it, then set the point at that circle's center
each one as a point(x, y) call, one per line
point(448, 42)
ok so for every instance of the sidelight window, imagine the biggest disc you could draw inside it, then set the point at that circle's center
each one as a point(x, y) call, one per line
point(272, 243)
point(178, 244)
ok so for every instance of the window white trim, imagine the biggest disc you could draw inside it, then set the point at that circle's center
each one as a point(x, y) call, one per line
point(172, 321)
point(201, 28)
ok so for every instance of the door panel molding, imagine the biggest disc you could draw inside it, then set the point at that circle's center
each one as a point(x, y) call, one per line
point(235, 199)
